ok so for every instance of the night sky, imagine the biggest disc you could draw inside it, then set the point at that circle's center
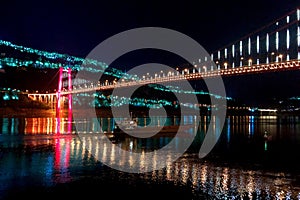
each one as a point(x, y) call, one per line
point(76, 27)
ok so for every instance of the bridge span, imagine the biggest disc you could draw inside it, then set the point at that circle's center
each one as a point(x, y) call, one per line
point(52, 98)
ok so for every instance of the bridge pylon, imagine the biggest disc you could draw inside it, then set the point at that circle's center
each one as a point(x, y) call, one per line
point(64, 83)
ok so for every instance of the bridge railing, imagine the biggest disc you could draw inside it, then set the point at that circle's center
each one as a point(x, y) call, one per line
point(256, 68)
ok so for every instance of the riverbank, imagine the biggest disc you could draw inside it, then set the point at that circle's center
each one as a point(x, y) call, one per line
point(8, 112)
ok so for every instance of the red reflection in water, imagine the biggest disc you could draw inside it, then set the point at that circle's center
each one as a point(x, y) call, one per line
point(62, 159)
point(57, 126)
point(61, 122)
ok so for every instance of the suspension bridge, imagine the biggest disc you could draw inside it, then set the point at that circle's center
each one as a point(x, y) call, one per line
point(272, 48)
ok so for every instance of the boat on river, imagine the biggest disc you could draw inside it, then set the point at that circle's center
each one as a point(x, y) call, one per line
point(130, 128)
point(127, 124)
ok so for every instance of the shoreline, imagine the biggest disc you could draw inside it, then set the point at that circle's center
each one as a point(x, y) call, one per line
point(9, 112)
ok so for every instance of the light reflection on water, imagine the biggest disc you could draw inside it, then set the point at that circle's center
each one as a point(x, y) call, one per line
point(46, 151)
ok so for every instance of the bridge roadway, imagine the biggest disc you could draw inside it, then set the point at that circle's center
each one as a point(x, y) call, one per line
point(261, 68)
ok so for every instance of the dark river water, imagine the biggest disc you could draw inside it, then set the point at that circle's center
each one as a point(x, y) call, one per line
point(256, 157)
